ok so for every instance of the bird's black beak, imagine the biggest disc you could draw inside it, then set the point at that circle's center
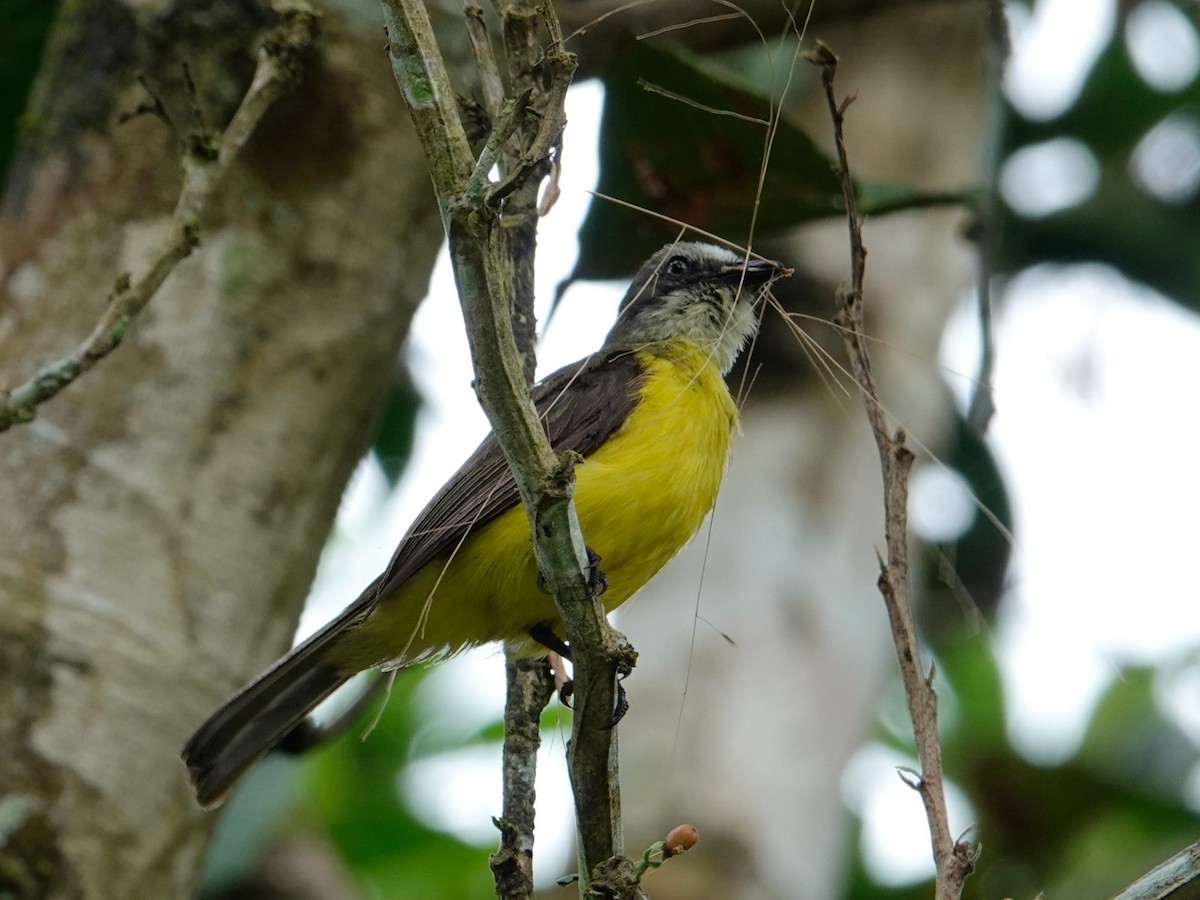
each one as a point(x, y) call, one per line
point(756, 272)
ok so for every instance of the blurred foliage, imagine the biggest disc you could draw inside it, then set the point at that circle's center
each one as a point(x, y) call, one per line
point(1122, 222)
point(353, 794)
point(1083, 828)
point(346, 794)
point(24, 25)
point(967, 575)
point(1117, 807)
point(697, 169)
point(687, 139)
point(252, 816)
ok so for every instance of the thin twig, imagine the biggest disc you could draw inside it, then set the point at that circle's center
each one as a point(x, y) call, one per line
point(529, 682)
point(534, 158)
point(599, 654)
point(485, 60)
point(987, 225)
point(652, 88)
point(517, 236)
point(532, 61)
point(954, 859)
point(539, 136)
point(279, 62)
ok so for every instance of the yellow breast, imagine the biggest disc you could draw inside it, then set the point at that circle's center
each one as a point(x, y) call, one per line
point(640, 497)
point(644, 493)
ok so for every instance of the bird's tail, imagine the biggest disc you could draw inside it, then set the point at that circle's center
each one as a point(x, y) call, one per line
point(252, 722)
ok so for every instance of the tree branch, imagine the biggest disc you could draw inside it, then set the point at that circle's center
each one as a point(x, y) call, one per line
point(490, 292)
point(954, 860)
point(485, 60)
point(530, 686)
point(206, 160)
point(1176, 879)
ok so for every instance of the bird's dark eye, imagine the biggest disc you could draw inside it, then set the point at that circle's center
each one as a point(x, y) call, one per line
point(677, 267)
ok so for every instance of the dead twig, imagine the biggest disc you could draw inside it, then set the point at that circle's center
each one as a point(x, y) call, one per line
point(955, 860)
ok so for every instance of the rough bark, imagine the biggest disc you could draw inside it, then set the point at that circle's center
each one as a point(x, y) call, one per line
point(163, 517)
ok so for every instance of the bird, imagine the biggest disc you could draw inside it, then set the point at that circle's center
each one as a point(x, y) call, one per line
point(652, 420)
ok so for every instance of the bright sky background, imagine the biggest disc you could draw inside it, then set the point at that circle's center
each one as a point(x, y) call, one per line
point(1094, 385)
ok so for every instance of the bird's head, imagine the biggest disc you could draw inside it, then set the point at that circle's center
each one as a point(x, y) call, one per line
point(699, 293)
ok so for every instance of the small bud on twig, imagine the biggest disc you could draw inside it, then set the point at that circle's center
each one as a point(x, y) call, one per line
point(680, 839)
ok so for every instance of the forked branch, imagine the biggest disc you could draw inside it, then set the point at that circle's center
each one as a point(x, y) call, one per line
point(494, 278)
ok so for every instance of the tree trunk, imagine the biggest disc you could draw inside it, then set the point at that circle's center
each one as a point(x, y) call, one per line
point(163, 516)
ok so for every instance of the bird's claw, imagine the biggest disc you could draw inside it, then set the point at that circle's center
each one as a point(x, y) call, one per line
point(620, 707)
point(597, 580)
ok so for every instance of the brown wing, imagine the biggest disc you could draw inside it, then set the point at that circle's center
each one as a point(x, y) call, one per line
point(581, 405)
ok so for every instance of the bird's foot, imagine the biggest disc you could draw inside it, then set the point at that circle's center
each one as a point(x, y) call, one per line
point(620, 706)
point(597, 580)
